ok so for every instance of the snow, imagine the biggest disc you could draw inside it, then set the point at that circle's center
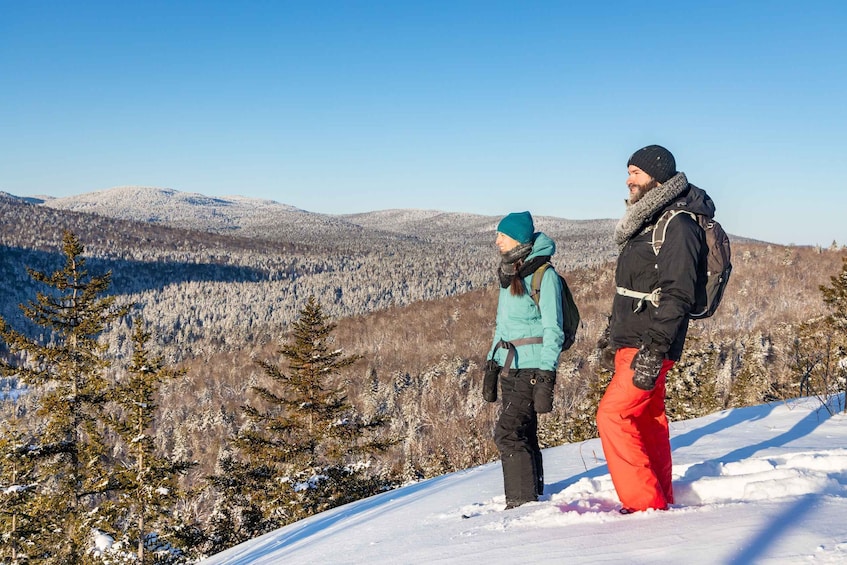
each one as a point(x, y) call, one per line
point(766, 484)
point(14, 489)
point(102, 544)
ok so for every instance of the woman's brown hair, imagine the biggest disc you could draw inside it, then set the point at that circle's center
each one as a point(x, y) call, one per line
point(517, 287)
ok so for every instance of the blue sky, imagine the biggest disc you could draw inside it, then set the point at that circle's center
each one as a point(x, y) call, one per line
point(484, 107)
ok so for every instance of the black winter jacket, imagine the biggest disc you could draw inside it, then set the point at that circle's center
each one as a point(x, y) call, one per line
point(676, 269)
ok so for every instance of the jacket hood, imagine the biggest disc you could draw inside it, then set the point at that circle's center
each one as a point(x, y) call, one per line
point(542, 245)
point(696, 200)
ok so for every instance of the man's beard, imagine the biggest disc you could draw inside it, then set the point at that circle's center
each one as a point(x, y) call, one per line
point(641, 190)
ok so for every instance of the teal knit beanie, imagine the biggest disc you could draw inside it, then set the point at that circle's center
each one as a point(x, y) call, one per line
point(518, 226)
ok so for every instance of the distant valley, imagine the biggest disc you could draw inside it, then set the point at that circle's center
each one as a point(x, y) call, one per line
point(227, 270)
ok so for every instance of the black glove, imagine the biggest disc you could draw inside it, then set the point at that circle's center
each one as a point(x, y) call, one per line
point(491, 370)
point(542, 390)
point(605, 354)
point(647, 364)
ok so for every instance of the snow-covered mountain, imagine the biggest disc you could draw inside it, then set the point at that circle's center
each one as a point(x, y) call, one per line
point(230, 214)
point(268, 219)
point(766, 484)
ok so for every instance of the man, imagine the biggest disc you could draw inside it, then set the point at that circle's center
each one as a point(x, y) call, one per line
point(647, 328)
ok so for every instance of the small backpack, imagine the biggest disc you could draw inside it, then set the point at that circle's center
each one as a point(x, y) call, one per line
point(570, 313)
point(718, 264)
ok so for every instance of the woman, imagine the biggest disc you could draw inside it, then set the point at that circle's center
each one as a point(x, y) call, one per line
point(527, 342)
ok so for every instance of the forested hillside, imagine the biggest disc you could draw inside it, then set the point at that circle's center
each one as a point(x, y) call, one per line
point(421, 363)
point(200, 289)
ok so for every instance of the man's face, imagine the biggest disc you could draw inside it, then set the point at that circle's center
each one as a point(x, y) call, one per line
point(639, 183)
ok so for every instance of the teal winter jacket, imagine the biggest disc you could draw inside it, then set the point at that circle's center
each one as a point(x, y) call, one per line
point(518, 317)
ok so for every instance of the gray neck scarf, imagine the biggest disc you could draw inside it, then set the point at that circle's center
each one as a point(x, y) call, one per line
point(508, 264)
point(656, 199)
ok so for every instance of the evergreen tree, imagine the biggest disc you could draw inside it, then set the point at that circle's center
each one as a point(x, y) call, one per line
point(147, 481)
point(752, 384)
point(835, 296)
point(820, 351)
point(317, 446)
point(691, 385)
point(67, 374)
point(238, 514)
point(18, 528)
point(580, 421)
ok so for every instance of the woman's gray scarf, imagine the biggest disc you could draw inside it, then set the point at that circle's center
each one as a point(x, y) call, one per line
point(508, 264)
point(656, 199)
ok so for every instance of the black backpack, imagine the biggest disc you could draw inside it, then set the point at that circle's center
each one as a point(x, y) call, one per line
point(570, 313)
point(718, 264)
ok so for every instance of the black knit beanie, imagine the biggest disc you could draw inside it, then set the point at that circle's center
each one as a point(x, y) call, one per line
point(656, 161)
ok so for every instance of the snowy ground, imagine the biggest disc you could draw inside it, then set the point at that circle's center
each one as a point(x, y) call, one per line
point(766, 484)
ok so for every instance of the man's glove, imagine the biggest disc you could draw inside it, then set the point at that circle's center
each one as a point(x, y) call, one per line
point(647, 364)
point(491, 370)
point(605, 354)
point(542, 390)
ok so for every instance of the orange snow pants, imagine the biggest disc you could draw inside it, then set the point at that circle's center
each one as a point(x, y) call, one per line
point(633, 429)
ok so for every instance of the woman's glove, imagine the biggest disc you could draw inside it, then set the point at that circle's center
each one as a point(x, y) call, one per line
point(647, 364)
point(491, 370)
point(542, 390)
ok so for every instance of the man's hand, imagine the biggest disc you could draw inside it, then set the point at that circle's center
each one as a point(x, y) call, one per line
point(647, 364)
point(605, 353)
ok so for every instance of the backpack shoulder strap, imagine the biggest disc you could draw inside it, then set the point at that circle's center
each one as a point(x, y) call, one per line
point(661, 228)
point(535, 285)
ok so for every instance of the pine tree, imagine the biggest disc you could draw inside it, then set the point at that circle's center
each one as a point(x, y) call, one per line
point(691, 383)
point(147, 481)
point(580, 422)
point(317, 446)
point(238, 514)
point(752, 384)
point(18, 528)
point(820, 352)
point(835, 297)
point(67, 374)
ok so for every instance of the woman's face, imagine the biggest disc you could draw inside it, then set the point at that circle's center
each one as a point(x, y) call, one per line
point(505, 243)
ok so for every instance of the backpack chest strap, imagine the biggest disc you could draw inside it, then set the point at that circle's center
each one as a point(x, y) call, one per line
point(653, 296)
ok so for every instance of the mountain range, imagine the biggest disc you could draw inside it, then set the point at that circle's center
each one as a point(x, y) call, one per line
point(268, 219)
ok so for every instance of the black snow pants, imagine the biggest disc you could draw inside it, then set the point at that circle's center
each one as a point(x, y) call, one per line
point(516, 436)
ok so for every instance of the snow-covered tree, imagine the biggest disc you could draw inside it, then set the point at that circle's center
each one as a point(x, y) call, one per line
point(820, 350)
point(18, 483)
point(147, 481)
point(238, 514)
